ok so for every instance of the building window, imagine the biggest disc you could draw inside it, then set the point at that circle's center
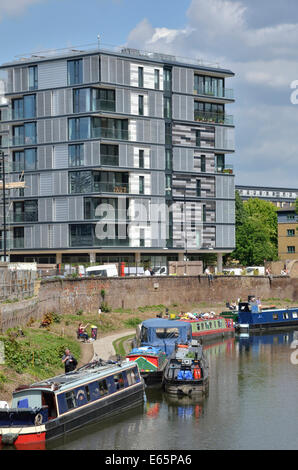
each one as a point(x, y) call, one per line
point(141, 184)
point(204, 213)
point(168, 159)
point(167, 79)
point(291, 249)
point(142, 237)
point(81, 100)
point(109, 154)
point(290, 232)
point(24, 160)
point(25, 211)
point(156, 79)
point(18, 237)
point(75, 71)
point(103, 99)
point(198, 189)
point(76, 155)
point(141, 77)
point(168, 133)
point(25, 134)
point(79, 128)
point(33, 78)
point(203, 163)
point(141, 105)
point(198, 138)
point(141, 158)
point(167, 107)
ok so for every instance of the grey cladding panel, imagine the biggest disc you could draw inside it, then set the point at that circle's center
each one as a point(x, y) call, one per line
point(52, 74)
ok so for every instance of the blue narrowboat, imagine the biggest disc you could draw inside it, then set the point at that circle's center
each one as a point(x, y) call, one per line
point(252, 317)
point(156, 339)
point(51, 408)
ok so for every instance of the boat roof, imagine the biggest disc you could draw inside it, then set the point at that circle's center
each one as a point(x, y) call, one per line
point(78, 377)
point(162, 323)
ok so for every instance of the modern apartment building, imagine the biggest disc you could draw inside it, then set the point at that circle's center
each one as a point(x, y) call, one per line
point(278, 196)
point(123, 154)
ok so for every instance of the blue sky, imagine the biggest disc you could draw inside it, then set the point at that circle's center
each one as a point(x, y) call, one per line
point(257, 40)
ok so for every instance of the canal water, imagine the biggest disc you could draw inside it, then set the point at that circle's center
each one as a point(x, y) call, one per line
point(252, 404)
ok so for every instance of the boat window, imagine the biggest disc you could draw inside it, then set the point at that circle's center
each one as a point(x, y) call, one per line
point(144, 335)
point(219, 323)
point(119, 381)
point(295, 315)
point(131, 377)
point(285, 316)
point(87, 392)
point(103, 388)
point(70, 399)
point(202, 326)
point(198, 327)
point(167, 332)
point(275, 316)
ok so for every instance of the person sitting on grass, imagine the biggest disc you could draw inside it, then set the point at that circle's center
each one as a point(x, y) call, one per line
point(82, 333)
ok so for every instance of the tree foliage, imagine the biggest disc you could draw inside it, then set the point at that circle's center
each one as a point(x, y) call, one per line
point(256, 231)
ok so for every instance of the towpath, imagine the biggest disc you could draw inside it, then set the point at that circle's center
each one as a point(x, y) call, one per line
point(103, 346)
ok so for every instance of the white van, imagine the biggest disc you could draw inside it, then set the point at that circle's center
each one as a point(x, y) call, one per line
point(104, 270)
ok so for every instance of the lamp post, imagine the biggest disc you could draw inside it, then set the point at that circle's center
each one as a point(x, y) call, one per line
point(4, 204)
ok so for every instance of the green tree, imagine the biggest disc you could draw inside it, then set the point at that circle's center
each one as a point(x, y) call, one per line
point(256, 232)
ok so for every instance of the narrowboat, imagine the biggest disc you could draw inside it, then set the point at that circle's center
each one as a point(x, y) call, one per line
point(209, 326)
point(155, 341)
point(49, 409)
point(252, 317)
point(151, 362)
point(187, 372)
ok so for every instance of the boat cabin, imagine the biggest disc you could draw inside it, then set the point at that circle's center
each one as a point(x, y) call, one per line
point(163, 334)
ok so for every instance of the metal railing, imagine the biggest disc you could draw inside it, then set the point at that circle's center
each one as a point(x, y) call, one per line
point(217, 118)
point(225, 93)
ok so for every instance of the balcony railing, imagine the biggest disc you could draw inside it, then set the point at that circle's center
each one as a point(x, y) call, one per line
point(228, 169)
point(25, 217)
point(109, 133)
point(225, 93)
point(21, 140)
point(103, 105)
point(109, 160)
point(111, 187)
point(216, 118)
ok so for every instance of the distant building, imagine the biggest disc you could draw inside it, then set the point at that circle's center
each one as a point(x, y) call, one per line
point(287, 233)
point(279, 196)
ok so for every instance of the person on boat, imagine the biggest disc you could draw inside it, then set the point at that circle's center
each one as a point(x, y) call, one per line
point(82, 332)
point(69, 361)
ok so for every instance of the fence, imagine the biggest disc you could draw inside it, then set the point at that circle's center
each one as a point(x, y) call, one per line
point(17, 284)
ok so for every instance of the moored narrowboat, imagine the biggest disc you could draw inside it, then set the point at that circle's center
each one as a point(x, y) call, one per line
point(209, 326)
point(51, 408)
point(252, 317)
point(187, 372)
point(151, 361)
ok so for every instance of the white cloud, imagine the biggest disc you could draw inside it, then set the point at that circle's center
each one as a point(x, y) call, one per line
point(264, 59)
point(15, 7)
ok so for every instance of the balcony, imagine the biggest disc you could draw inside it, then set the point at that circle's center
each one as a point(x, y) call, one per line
point(224, 93)
point(227, 169)
point(103, 105)
point(213, 118)
point(25, 217)
point(110, 187)
point(20, 140)
point(109, 160)
point(109, 133)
